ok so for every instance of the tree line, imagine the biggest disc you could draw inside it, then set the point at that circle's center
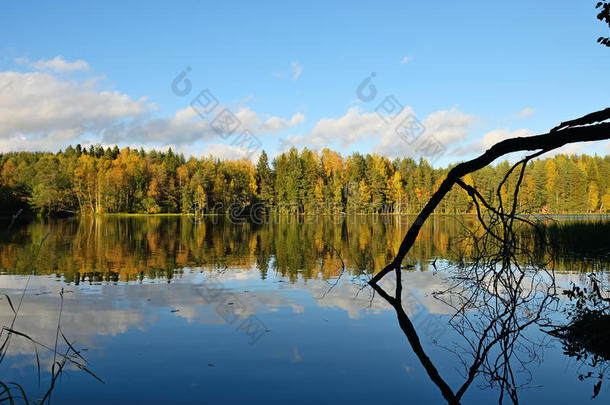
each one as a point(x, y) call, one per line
point(112, 180)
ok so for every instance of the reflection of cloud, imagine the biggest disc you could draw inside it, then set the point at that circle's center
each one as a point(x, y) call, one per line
point(113, 309)
point(345, 296)
point(92, 311)
point(355, 301)
point(84, 316)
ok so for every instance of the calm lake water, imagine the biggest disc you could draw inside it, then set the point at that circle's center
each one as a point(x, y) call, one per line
point(165, 310)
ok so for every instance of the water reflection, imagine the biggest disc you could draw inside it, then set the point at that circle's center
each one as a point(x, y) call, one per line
point(131, 248)
point(93, 315)
point(134, 248)
point(493, 348)
point(499, 290)
point(307, 284)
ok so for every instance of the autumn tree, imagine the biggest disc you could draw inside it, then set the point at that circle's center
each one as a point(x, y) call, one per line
point(264, 180)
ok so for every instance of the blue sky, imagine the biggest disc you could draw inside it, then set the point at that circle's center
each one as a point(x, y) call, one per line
point(471, 72)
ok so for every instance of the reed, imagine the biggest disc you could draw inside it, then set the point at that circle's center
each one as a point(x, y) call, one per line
point(12, 391)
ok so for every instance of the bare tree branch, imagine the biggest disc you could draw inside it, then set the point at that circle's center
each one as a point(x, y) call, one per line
point(597, 116)
point(541, 143)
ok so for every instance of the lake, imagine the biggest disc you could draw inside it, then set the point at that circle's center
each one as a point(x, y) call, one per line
point(167, 309)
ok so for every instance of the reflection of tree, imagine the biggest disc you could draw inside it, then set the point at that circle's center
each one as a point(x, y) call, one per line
point(498, 292)
point(494, 350)
point(496, 296)
point(123, 248)
point(585, 337)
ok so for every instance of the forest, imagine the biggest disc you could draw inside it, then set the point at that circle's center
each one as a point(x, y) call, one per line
point(96, 180)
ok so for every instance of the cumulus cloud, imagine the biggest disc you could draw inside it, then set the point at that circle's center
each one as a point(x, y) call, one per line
point(47, 111)
point(297, 69)
point(488, 140)
point(492, 137)
point(229, 151)
point(275, 124)
point(498, 135)
point(356, 125)
point(495, 136)
point(57, 64)
point(20, 143)
point(262, 123)
point(441, 131)
point(184, 127)
point(187, 127)
point(446, 126)
point(39, 111)
point(449, 126)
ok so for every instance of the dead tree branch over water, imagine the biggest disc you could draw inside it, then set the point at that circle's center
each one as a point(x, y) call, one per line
point(496, 295)
point(582, 129)
point(503, 283)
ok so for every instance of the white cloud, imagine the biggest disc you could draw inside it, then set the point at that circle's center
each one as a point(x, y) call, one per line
point(569, 149)
point(275, 124)
point(187, 127)
point(187, 133)
point(448, 127)
point(264, 123)
point(20, 142)
point(489, 139)
point(445, 127)
point(498, 135)
point(404, 60)
point(526, 112)
point(183, 128)
point(46, 110)
point(38, 111)
point(57, 64)
point(227, 151)
point(492, 137)
point(354, 126)
point(297, 69)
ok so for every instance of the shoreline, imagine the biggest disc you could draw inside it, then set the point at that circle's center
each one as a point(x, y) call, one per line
point(275, 214)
